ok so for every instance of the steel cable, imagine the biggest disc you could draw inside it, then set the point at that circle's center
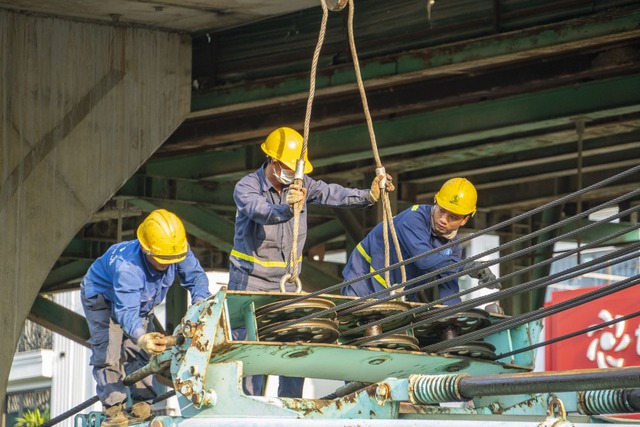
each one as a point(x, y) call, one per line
point(535, 315)
point(354, 305)
point(442, 313)
point(517, 254)
point(568, 336)
point(467, 238)
point(84, 405)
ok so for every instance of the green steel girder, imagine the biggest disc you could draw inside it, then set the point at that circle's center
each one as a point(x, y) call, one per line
point(324, 232)
point(318, 275)
point(61, 320)
point(351, 225)
point(604, 27)
point(60, 278)
point(600, 231)
point(218, 195)
point(524, 152)
point(436, 130)
point(86, 249)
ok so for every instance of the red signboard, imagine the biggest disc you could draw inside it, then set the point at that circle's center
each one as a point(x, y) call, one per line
point(617, 345)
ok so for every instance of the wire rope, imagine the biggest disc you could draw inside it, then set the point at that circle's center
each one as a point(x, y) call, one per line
point(568, 336)
point(442, 313)
point(509, 257)
point(467, 238)
point(292, 264)
point(536, 315)
point(351, 305)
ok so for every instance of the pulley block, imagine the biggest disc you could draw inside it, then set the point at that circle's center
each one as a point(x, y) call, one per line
point(394, 342)
point(267, 315)
point(475, 349)
point(366, 315)
point(450, 326)
point(307, 331)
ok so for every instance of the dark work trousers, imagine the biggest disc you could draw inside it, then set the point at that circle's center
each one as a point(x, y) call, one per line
point(253, 384)
point(114, 355)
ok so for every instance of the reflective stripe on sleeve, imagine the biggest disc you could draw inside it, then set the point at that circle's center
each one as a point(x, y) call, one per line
point(366, 256)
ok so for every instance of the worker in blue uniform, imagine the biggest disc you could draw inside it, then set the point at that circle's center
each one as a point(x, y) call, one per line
point(419, 229)
point(263, 238)
point(118, 295)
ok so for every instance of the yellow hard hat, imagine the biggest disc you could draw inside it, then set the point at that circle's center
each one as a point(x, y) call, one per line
point(458, 195)
point(285, 145)
point(162, 236)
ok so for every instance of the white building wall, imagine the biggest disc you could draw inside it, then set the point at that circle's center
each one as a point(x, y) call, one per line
point(474, 247)
point(72, 381)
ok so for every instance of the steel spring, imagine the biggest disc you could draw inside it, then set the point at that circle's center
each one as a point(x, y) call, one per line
point(429, 389)
point(597, 402)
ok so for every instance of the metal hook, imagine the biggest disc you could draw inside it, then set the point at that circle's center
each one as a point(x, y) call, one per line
point(285, 279)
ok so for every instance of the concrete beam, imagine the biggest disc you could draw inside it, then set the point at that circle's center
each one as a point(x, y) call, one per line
point(82, 107)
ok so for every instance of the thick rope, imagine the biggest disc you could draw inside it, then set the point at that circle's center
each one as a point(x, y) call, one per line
point(386, 204)
point(292, 265)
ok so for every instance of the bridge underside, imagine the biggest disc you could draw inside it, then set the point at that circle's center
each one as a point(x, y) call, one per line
point(529, 100)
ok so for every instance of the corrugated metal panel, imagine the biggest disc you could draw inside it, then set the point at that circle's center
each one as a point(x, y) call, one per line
point(381, 27)
point(72, 381)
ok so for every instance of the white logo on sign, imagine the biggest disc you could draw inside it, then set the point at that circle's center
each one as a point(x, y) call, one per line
point(611, 339)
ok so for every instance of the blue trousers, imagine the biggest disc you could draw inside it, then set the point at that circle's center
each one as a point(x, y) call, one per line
point(114, 355)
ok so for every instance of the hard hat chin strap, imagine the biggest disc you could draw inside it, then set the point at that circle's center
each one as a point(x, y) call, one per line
point(434, 230)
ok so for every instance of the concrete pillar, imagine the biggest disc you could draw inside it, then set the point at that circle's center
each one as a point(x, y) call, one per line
point(82, 106)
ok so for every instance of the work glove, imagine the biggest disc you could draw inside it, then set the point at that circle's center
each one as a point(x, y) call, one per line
point(296, 196)
point(153, 342)
point(484, 275)
point(494, 307)
point(374, 195)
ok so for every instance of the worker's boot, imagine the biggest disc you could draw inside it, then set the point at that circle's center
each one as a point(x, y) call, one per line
point(139, 412)
point(115, 417)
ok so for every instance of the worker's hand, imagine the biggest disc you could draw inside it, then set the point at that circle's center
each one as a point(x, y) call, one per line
point(153, 342)
point(374, 195)
point(484, 276)
point(494, 307)
point(296, 196)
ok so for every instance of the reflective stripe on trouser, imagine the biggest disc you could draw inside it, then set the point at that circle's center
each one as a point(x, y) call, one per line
point(108, 345)
point(366, 256)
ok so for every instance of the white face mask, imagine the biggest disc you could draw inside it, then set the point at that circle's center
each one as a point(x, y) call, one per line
point(285, 177)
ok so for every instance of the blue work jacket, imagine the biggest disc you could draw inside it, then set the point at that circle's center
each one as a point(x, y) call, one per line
point(133, 287)
point(264, 227)
point(413, 228)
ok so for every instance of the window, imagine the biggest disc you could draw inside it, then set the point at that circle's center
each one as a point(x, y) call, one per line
point(34, 337)
point(17, 403)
